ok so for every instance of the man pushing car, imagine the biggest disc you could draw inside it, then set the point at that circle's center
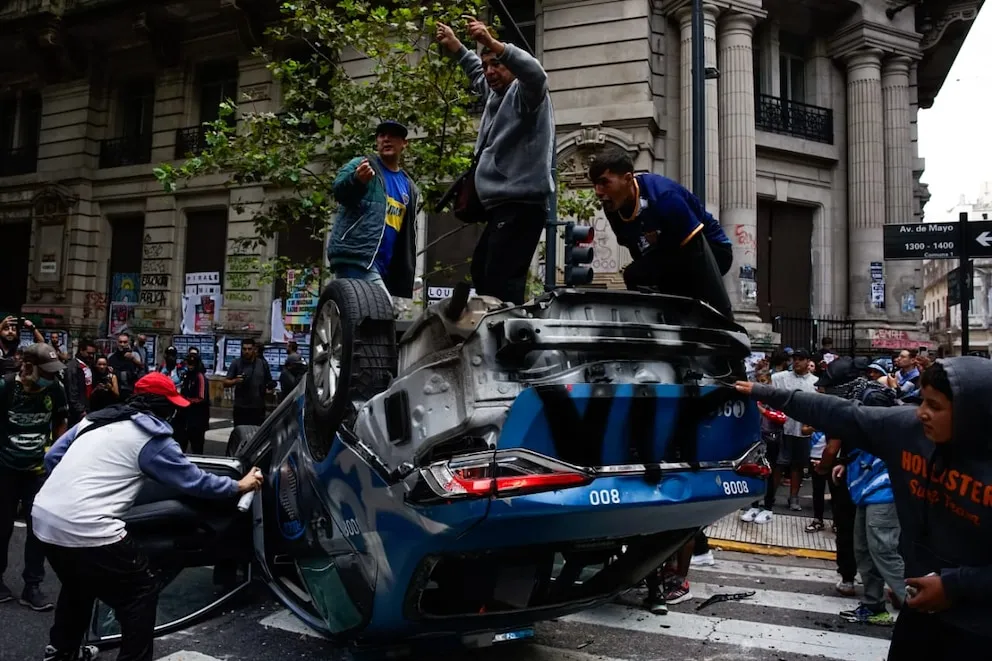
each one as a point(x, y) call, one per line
point(940, 466)
point(96, 471)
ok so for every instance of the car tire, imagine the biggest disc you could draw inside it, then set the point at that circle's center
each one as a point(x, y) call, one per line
point(239, 439)
point(353, 339)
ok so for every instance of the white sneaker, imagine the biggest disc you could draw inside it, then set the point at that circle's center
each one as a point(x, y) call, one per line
point(748, 516)
point(765, 516)
point(704, 559)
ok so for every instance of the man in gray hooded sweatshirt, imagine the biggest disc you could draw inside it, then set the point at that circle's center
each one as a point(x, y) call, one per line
point(513, 152)
point(939, 458)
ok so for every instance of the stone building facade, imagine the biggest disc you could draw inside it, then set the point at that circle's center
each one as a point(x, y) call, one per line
point(810, 144)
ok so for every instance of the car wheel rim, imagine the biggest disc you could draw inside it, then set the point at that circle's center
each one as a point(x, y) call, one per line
point(326, 360)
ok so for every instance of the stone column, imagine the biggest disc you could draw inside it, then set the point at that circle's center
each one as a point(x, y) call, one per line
point(866, 179)
point(684, 17)
point(738, 177)
point(902, 278)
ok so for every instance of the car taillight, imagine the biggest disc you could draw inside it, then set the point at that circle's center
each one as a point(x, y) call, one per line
point(506, 474)
point(754, 464)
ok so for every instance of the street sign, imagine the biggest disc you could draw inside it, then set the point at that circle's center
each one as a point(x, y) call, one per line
point(954, 287)
point(935, 240)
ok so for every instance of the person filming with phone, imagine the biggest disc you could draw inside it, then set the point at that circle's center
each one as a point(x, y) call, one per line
point(10, 340)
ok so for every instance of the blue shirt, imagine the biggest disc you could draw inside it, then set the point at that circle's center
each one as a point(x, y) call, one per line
point(668, 209)
point(397, 197)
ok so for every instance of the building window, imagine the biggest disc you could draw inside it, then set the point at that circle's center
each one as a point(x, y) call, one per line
point(218, 82)
point(524, 14)
point(792, 68)
point(206, 242)
point(20, 128)
point(135, 112)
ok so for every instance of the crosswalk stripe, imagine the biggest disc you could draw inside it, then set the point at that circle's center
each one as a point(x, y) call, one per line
point(772, 637)
point(811, 603)
point(286, 621)
point(188, 656)
point(768, 570)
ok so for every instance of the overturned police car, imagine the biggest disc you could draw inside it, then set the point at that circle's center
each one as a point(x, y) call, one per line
point(496, 466)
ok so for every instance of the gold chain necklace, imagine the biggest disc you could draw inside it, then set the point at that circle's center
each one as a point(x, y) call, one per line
point(637, 203)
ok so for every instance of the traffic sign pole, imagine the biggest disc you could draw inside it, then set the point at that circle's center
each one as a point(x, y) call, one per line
point(965, 275)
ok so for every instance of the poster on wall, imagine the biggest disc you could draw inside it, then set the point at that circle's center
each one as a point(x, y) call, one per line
point(302, 294)
point(231, 349)
point(275, 355)
point(205, 343)
point(151, 344)
point(121, 317)
point(61, 337)
point(126, 287)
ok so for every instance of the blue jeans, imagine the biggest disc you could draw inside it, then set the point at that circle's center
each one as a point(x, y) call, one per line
point(357, 273)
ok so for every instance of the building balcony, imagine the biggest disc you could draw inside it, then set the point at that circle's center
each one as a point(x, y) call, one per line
point(18, 160)
point(126, 150)
point(799, 120)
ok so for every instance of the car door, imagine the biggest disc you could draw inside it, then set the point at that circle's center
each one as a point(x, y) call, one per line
point(202, 551)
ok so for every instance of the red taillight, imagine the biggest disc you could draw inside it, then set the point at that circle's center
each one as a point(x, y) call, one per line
point(508, 474)
point(545, 482)
point(759, 470)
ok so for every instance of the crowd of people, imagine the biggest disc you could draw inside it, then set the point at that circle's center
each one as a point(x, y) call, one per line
point(905, 456)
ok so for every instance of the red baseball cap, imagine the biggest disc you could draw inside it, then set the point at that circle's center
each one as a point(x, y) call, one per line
point(159, 384)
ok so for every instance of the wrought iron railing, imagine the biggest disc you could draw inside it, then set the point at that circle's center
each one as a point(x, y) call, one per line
point(794, 118)
point(18, 160)
point(190, 140)
point(126, 150)
point(804, 332)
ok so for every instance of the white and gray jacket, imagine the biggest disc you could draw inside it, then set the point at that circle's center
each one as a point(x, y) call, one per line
point(95, 480)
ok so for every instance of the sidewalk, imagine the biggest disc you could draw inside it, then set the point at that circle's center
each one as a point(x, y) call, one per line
point(784, 535)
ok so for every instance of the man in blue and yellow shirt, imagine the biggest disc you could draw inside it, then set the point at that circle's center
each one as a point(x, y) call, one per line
point(678, 248)
point(374, 236)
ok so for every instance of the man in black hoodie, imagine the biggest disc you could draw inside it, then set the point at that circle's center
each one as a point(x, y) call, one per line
point(940, 464)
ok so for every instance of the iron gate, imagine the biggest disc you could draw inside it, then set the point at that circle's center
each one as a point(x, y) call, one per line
point(805, 332)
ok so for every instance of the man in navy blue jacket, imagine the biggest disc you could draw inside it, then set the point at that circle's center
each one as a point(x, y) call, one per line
point(678, 247)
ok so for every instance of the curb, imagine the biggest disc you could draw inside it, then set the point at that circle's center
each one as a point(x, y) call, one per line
point(780, 551)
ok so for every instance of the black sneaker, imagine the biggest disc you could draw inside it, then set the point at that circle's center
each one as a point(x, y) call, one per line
point(35, 599)
point(656, 604)
point(5, 593)
point(86, 653)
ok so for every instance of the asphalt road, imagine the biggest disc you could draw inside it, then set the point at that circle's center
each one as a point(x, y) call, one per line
point(792, 616)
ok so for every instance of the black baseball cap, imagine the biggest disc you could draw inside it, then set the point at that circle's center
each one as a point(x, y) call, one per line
point(801, 354)
point(391, 127)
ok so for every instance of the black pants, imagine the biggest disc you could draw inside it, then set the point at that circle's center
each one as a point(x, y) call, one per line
point(921, 636)
point(20, 487)
point(723, 253)
point(689, 271)
point(702, 546)
point(819, 493)
point(119, 576)
point(193, 438)
point(502, 257)
point(844, 511)
point(247, 416)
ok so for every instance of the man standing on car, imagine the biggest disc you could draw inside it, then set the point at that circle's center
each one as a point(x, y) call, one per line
point(677, 246)
point(251, 378)
point(374, 236)
point(513, 153)
point(940, 468)
point(34, 412)
point(96, 471)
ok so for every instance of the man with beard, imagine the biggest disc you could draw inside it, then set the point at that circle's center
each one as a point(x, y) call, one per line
point(512, 172)
point(126, 365)
point(79, 380)
point(96, 471)
point(940, 466)
point(9, 342)
point(374, 236)
point(678, 248)
point(33, 412)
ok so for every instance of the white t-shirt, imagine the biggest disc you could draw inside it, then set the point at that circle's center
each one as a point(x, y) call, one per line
point(791, 381)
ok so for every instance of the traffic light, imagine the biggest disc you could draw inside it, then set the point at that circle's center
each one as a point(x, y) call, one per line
point(578, 255)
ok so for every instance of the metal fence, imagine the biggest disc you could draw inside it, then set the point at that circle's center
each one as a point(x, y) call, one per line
point(805, 332)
